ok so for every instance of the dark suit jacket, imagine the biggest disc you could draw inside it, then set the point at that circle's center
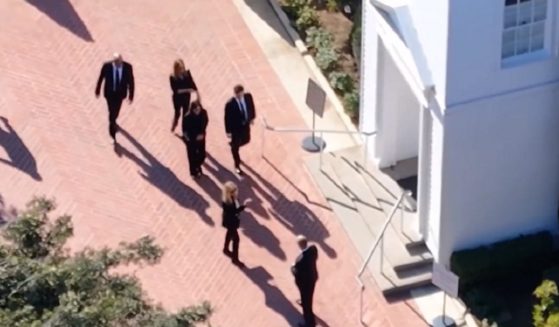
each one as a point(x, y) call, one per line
point(194, 125)
point(230, 215)
point(125, 87)
point(235, 123)
point(304, 270)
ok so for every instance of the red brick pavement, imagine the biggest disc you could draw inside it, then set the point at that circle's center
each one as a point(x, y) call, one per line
point(57, 144)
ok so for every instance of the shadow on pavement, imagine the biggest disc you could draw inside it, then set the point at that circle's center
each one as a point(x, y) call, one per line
point(261, 235)
point(274, 297)
point(164, 179)
point(294, 215)
point(19, 155)
point(250, 225)
point(64, 14)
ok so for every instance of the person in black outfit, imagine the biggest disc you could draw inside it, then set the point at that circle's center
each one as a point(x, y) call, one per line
point(182, 85)
point(306, 275)
point(239, 115)
point(194, 125)
point(231, 221)
point(119, 83)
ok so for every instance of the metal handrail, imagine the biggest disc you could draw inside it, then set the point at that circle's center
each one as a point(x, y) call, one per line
point(321, 132)
point(307, 130)
point(378, 241)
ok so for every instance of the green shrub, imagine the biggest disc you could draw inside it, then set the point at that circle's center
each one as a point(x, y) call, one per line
point(516, 256)
point(326, 59)
point(341, 82)
point(306, 19)
point(293, 8)
point(355, 38)
point(486, 304)
point(546, 312)
point(332, 5)
point(318, 37)
point(351, 104)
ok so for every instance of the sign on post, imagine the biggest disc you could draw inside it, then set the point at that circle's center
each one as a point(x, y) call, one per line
point(445, 280)
point(316, 98)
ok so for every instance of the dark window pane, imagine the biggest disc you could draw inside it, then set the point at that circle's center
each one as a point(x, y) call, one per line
point(510, 2)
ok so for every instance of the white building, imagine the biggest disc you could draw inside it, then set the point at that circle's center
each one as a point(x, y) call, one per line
point(470, 88)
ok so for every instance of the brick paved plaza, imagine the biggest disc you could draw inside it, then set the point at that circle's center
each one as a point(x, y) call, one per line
point(57, 144)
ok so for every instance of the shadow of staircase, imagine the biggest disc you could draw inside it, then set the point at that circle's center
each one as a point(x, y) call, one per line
point(362, 198)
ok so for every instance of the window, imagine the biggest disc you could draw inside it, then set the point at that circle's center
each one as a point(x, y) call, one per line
point(524, 27)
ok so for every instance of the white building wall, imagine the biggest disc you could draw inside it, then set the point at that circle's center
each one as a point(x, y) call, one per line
point(369, 53)
point(501, 169)
point(397, 113)
point(474, 53)
point(430, 18)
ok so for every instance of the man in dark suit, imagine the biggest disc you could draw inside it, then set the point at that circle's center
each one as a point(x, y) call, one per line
point(119, 84)
point(306, 275)
point(239, 115)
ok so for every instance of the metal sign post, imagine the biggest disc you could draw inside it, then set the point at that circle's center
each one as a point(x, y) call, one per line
point(316, 98)
point(448, 282)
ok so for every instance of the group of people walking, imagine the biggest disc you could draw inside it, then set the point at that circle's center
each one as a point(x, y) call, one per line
point(118, 78)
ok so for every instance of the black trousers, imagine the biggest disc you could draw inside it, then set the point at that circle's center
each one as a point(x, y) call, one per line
point(235, 146)
point(181, 103)
point(196, 151)
point(307, 291)
point(232, 235)
point(114, 104)
point(238, 139)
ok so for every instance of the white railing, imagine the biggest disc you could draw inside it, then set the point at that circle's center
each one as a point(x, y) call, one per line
point(378, 242)
point(320, 133)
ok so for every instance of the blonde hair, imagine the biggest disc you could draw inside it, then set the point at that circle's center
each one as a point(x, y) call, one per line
point(229, 188)
point(178, 67)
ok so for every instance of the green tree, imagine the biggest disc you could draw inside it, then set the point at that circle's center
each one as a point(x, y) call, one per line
point(546, 312)
point(42, 284)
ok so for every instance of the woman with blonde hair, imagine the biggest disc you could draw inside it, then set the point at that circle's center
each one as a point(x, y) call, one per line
point(182, 85)
point(231, 221)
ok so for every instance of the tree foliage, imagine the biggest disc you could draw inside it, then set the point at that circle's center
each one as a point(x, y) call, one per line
point(546, 312)
point(42, 284)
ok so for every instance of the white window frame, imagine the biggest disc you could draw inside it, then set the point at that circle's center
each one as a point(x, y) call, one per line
point(534, 55)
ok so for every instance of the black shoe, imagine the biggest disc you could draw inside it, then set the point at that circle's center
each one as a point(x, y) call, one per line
point(227, 252)
point(238, 263)
point(239, 171)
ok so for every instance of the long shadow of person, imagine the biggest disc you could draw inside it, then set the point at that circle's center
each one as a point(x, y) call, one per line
point(164, 179)
point(274, 297)
point(64, 14)
point(20, 156)
point(223, 175)
point(294, 215)
point(261, 235)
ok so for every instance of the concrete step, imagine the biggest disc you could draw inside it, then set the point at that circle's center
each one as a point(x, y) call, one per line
point(386, 191)
point(396, 252)
point(362, 231)
point(394, 284)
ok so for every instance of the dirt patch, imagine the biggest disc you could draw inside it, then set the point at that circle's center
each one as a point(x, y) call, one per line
point(340, 27)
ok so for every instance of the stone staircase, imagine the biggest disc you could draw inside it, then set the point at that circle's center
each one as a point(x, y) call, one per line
point(362, 200)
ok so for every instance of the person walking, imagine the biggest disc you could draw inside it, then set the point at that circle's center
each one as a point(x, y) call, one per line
point(231, 220)
point(182, 85)
point(305, 273)
point(119, 84)
point(239, 115)
point(194, 125)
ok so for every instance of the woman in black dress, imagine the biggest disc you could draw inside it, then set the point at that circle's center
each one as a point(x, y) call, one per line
point(182, 85)
point(231, 221)
point(194, 125)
